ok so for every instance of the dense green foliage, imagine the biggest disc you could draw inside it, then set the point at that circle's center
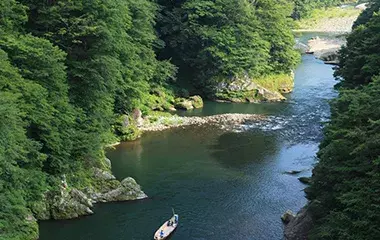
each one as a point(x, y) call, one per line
point(67, 69)
point(346, 182)
point(373, 7)
point(360, 59)
point(216, 41)
point(71, 71)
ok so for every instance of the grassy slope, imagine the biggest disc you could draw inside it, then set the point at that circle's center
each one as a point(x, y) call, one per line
point(276, 82)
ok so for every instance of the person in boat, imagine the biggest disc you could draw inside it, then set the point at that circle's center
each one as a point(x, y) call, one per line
point(162, 233)
point(176, 218)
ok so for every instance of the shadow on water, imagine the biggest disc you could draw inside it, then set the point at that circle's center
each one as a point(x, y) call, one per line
point(237, 150)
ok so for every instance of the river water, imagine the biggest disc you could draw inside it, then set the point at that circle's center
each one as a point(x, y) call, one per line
point(224, 183)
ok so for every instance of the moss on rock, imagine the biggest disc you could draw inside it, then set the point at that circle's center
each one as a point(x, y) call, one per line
point(197, 101)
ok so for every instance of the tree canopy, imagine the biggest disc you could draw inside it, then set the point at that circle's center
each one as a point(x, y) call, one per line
point(346, 181)
point(71, 69)
point(217, 41)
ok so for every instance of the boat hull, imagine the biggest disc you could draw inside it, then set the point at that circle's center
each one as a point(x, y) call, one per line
point(166, 229)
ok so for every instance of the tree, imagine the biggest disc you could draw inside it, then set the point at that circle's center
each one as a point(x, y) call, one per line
point(359, 61)
point(214, 42)
point(346, 181)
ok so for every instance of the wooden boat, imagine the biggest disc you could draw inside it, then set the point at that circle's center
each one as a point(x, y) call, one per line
point(167, 228)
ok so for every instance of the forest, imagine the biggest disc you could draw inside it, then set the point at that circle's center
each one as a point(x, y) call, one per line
point(345, 185)
point(69, 69)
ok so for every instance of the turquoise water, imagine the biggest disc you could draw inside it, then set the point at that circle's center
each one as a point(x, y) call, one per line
point(224, 184)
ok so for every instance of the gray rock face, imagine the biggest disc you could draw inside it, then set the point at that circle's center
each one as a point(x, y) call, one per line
point(71, 204)
point(298, 226)
point(103, 175)
point(301, 47)
point(183, 104)
point(270, 96)
point(127, 190)
point(197, 101)
point(108, 162)
point(251, 91)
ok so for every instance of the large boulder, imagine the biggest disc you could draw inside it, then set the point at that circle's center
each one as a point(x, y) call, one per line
point(298, 226)
point(197, 101)
point(270, 96)
point(301, 47)
point(244, 89)
point(108, 164)
point(128, 189)
point(288, 216)
point(70, 204)
point(102, 174)
point(183, 104)
point(330, 57)
point(305, 180)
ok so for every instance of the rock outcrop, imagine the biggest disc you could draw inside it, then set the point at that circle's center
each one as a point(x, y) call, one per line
point(297, 226)
point(71, 204)
point(244, 89)
point(128, 189)
point(103, 174)
point(196, 101)
point(293, 172)
point(188, 103)
point(305, 180)
point(287, 216)
point(183, 104)
point(326, 49)
point(303, 48)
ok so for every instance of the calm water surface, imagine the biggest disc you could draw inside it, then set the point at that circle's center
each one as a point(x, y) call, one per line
point(225, 184)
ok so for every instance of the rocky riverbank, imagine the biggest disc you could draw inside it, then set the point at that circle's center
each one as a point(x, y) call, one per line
point(330, 20)
point(166, 122)
point(297, 226)
point(341, 25)
point(326, 49)
point(246, 89)
point(71, 202)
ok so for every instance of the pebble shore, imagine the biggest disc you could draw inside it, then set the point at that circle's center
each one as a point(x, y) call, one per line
point(174, 121)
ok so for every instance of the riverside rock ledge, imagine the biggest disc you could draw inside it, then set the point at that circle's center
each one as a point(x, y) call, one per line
point(229, 119)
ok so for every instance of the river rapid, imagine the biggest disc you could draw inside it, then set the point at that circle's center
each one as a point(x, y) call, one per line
point(225, 183)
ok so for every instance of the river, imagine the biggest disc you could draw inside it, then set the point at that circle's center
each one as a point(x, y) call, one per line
point(224, 183)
